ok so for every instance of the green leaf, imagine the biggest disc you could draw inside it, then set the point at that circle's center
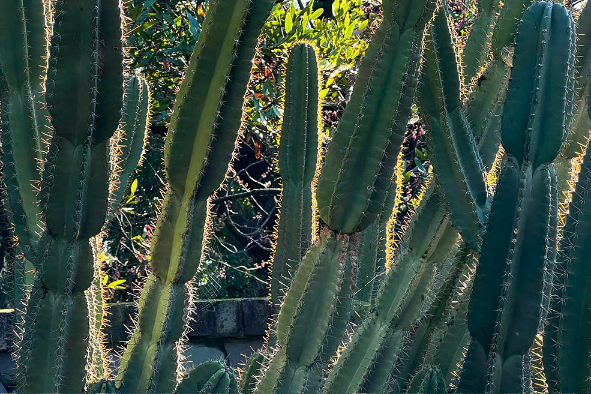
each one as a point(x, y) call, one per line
point(349, 31)
point(420, 154)
point(288, 23)
point(116, 284)
point(419, 165)
point(316, 14)
point(406, 177)
point(134, 186)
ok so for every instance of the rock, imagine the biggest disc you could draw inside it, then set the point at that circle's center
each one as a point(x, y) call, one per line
point(196, 354)
point(241, 349)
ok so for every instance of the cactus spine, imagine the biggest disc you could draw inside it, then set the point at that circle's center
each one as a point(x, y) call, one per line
point(298, 153)
point(199, 146)
point(505, 307)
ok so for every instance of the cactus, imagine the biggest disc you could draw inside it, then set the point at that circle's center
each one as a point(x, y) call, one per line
point(400, 299)
point(477, 46)
point(365, 146)
point(209, 377)
point(428, 380)
point(252, 370)
point(73, 197)
point(305, 317)
point(455, 154)
point(199, 146)
point(566, 336)
point(409, 327)
point(130, 138)
point(577, 139)
point(23, 50)
point(440, 334)
point(73, 201)
point(505, 312)
point(297, 163)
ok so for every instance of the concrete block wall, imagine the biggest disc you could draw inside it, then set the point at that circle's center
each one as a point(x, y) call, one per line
point(229, 329)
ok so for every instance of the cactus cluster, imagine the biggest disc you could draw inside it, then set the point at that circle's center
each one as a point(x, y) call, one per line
point(479, 274)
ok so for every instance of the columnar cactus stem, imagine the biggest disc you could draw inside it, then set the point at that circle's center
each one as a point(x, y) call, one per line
point(455, 153)
point(365, 146)
point(23, 57)
point(305, 316)
point(73, 191)
point(199, 146)
point(567, 332)
point(476, 51)
point(505, 307)
point(577, 139)
point(298, 153)
point(129, 142)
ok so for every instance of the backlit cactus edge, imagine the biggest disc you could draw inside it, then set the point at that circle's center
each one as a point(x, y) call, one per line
point(473, 280)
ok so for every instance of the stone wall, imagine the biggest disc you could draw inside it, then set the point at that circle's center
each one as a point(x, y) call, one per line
point(219, 329)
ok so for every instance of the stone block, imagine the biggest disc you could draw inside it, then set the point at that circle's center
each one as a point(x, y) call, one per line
point(255, 316)
point(202, 322)
point(228, 319)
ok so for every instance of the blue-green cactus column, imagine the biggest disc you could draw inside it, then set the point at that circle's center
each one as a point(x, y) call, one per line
point(84, 98)
point(199, 146)
point(506, 304)
point(298, 153)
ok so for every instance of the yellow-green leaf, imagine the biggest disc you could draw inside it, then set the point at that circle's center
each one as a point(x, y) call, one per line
point(288, 23)
point(316, 14)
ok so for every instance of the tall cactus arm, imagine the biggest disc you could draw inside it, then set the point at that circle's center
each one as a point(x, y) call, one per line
point(79, 146)
point(209, 377)
point(475, 54)
point(485, 102)
point(23, 56)
point(305, 317)
point(540, 48)
point(456, 159)
point(298, 153)
point(505, 306)
point(199, 146)
point(128, 147)
point(365, 146)
point(73, 191)
point(581, 127)
point(401, 297)
point(568, 329)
